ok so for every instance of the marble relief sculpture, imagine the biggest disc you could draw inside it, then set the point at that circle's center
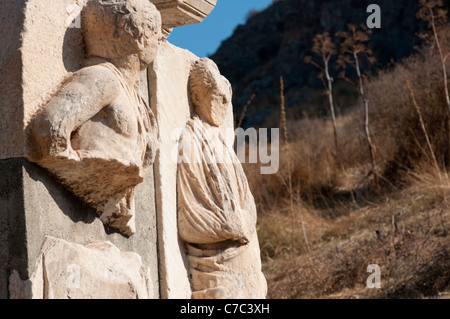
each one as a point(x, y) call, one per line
point(71, 73)
point(96, 135)
point(216, 210)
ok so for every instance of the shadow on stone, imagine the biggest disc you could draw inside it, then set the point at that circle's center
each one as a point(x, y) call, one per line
point(71, 206)
point(73, 52)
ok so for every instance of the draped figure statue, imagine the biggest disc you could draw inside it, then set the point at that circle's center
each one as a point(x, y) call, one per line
point(216, 210)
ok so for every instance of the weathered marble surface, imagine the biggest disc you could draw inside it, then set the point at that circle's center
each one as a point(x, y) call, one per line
point(97, 270)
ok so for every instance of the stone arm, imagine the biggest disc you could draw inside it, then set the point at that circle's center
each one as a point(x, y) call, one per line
point(82, 96)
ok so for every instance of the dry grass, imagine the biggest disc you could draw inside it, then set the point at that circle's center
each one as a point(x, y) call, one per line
point(413, 252)
point(320, 231)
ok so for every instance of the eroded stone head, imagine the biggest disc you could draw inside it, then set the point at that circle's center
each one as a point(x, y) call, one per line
point(210, 91)
point(116, 28)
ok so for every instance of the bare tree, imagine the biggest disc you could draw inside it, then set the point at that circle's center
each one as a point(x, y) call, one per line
point(352, 50)
point(433, 12)
point(325, 49)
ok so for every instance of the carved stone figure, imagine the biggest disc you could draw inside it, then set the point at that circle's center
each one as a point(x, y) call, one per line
point(96, 135)
point(216, 210)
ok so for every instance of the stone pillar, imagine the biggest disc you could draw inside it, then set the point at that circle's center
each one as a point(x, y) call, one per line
point(34, 206)
point(168, 80)
point(42, 45)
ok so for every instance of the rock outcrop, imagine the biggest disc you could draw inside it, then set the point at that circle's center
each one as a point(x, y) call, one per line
point(274, 43)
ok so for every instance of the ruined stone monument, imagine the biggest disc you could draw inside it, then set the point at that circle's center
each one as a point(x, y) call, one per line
point(94, 102)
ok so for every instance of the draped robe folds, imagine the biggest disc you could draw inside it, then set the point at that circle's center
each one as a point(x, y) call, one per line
point(217, 218)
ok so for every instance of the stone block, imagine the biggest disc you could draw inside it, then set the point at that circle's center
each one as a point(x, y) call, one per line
point(97, 270)
point(40, 51)
point(176, 13)
point(33, 206)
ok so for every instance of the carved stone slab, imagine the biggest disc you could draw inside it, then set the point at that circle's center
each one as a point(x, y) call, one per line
point(168, 82)
point(176, 13)
point(97, 270)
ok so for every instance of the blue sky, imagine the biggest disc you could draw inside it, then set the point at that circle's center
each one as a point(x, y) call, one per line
point(205, 38)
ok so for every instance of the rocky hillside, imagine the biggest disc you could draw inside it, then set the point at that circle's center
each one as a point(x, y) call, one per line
point(274, 43)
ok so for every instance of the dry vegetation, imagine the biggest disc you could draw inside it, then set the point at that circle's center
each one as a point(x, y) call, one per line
point(322, 217)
